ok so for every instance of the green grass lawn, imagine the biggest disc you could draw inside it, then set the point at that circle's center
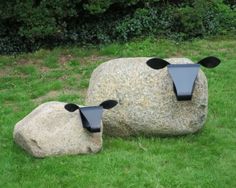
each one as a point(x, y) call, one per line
point(206, 159)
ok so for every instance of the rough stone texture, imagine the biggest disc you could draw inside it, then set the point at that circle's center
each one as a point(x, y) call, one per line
point(51, 130)
point(147, 103)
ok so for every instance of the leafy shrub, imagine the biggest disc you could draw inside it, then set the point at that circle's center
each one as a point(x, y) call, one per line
point(29, 25)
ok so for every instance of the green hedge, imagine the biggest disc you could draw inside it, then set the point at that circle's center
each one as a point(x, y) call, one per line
point(28, 25)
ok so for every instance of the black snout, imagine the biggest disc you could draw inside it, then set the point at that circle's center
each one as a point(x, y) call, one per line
point(183, 77)
point(91, 118)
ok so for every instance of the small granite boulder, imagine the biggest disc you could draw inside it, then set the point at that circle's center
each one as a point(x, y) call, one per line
point(147, 104)
point(51, 130)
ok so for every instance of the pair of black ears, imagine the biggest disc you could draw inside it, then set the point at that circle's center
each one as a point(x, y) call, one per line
point(208, 62)
point(108, 104)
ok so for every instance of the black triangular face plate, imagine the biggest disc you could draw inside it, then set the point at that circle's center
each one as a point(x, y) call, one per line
point(91, 118)
point(183, 77)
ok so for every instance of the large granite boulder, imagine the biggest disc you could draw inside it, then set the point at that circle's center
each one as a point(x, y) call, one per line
point(51, 130)
point(147, 104)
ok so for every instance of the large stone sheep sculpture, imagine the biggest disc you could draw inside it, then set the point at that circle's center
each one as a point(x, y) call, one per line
point(171, 100)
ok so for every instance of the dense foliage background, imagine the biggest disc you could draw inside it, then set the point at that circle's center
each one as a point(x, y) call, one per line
point(29, 25)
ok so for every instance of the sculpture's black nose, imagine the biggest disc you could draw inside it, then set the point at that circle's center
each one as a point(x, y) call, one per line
point(91, 117)
point(183, 77)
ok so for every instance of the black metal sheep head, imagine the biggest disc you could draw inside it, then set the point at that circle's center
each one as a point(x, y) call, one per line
point(183, 75)
point(91, 116)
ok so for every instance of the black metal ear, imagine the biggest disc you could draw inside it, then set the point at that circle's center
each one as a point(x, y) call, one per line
point(157, 63)
point(108, 104)
point(71, 107)
point(209, 62)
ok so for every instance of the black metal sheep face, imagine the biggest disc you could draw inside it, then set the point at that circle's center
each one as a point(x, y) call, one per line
point(183, 75)
point(91, 116)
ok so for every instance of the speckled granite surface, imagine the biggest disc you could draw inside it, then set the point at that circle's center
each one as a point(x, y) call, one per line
point(51, 130)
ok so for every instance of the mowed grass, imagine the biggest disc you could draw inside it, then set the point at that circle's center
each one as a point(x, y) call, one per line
point(206, 159)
